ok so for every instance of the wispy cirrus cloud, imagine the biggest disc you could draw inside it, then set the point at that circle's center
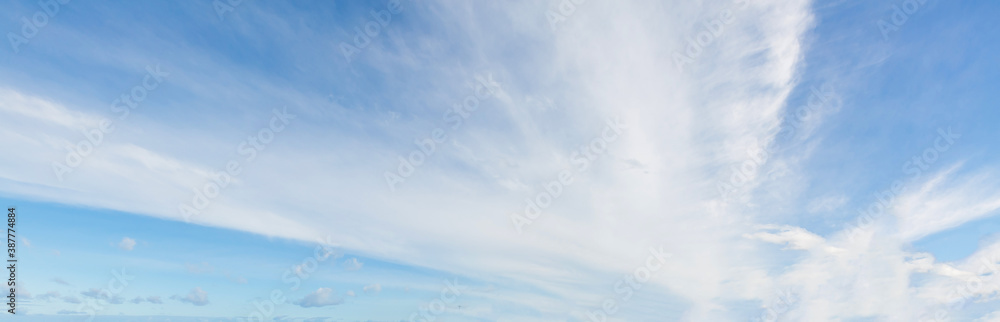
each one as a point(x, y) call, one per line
point(683, 132)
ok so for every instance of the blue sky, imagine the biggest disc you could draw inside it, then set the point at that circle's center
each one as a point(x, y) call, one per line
point(516, 161)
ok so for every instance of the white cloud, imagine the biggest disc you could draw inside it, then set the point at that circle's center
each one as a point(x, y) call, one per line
point(95, 293)
point(373, 289)
point(794, 237)
point(684, 129)
point(946, 200)
point(352, 264)
point(100, 294)
point(197, 297)
point(320, 298)
point(127, 243)
point(591, 71)
point(992, 317)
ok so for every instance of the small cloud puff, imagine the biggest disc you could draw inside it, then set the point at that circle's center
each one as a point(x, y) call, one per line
point(373, 289)
point(352, 264)
point(197, 297)
point(321, 297)
point(127, 243)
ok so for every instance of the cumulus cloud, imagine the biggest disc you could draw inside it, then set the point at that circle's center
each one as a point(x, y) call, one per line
point(96, 293)
point(149, 299)
point(319, 298)
point(197, 297)
point(373, 289)
point(352, 264)
point(101, 294)
point(127, 243)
